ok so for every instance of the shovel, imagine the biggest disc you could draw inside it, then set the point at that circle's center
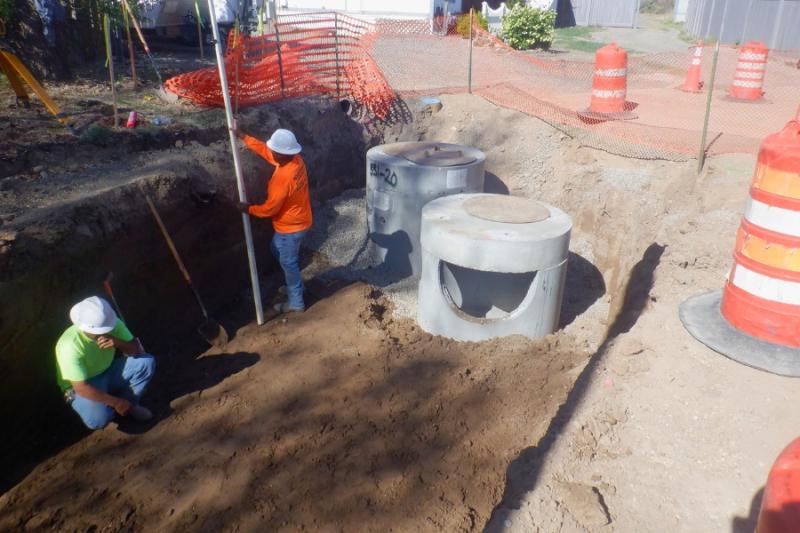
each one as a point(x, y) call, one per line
point(210, 329)
point(162, 94)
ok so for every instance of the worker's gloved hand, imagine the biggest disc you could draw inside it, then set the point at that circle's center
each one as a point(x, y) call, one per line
point(243, 207)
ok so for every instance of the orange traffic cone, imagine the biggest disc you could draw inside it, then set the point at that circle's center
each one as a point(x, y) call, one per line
point(780, 508)
point(693, 83)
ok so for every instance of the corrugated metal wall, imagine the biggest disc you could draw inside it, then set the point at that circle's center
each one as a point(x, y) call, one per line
point(605, 12)
point(776, 23)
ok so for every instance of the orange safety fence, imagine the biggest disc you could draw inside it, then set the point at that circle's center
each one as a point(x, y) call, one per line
point(308, 55)
point(379, 63)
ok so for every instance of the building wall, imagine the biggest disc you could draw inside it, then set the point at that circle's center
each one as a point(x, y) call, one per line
point(680, 10)
point(776, 23)
point(421, 8)
point(620, 13)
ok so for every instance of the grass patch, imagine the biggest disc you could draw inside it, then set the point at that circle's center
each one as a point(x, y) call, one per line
point(577, 38)
point(671, 26)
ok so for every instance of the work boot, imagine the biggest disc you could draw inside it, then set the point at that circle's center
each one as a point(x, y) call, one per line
point(284, 308)
point(140, 413)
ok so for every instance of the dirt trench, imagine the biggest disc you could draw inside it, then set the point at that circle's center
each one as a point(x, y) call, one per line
point(347, 417)
point(63, 231)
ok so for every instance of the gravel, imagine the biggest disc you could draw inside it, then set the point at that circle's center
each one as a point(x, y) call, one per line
point(340, 236)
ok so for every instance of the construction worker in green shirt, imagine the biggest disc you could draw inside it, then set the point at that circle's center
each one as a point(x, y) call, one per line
point(95, 384)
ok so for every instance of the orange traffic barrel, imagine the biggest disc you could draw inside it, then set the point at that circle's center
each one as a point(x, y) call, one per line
point(748, 80)
point(610, 82)
point(609, 86)
point(762, 295)
point(693, 83)
point(780, 507)
point(755, 319)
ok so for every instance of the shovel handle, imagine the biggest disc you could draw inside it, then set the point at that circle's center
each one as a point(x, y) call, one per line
point(175, 254)
point(136, 26)
point(110, 293)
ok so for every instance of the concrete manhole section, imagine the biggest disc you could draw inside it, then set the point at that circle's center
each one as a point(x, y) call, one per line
point(483, 277)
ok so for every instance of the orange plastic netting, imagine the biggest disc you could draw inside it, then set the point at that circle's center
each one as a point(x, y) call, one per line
point(315, 54)
point(378, 64)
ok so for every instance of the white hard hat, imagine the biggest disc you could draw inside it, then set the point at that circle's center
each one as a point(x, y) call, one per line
point(284, 142)
point(93, 315)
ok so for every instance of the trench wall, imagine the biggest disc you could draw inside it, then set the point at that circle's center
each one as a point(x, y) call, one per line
point(50, 258)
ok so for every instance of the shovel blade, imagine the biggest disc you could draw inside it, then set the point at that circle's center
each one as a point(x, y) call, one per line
point(166, 96)
point(213, 333)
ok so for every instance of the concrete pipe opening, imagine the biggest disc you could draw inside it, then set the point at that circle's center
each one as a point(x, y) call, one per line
point(484, 295)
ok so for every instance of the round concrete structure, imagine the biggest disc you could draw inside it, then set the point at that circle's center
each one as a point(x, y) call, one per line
point(401, 179)
point(492, 266)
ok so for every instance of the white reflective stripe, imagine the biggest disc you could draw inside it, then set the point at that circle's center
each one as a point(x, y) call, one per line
point(750, 75)
point(772, 289)
point(698, 51)
point(747, 84)
point(611, 72)
point(777, 219)
point(608, 94)
point(750, 56)
point(696, 61)
point(750, 66)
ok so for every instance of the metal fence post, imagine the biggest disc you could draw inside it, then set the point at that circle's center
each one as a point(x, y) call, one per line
point(280, 58)
point(469, 72)
point(336, 51)
point(701, 156)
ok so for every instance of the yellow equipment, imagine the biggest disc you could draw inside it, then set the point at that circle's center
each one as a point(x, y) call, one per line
point(17, 72)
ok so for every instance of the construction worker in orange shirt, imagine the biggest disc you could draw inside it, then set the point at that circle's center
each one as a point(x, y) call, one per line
point(288, 205)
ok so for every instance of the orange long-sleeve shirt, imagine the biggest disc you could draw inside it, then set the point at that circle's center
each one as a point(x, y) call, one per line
point(288, 202)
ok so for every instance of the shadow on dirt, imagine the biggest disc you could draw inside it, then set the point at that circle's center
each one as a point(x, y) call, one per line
point(583, 287)
point(522, 475)
point(176, 376)
point(747, 524)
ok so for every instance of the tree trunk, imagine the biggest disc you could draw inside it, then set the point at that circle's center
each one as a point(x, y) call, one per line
point(26, 37)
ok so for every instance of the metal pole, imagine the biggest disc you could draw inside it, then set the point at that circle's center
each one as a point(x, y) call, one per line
point(336, 51)
point(636, 14)
point(248, 233)
point(280, 58)
point(701, 156)
point(237, 54)
point(469, 71)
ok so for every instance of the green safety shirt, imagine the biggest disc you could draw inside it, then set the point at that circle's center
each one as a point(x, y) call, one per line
point(79, 358)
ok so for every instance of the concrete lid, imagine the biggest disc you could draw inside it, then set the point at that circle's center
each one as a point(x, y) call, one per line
point(431, 154)
point(450, 233)
point(506, 209)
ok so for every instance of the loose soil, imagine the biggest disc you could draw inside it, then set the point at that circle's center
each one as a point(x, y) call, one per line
point(340, 419)
point(348, 418)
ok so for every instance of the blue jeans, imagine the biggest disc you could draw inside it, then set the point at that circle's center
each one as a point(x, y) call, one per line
point(286, 249)
point(127, 377)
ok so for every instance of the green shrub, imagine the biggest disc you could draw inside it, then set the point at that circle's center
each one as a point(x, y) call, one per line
point(525, 27)
point(462, 24)
point(97, 134)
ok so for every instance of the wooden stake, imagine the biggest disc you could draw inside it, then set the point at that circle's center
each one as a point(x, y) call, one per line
point(199, 29)
point(110, 60)
point(131, 53)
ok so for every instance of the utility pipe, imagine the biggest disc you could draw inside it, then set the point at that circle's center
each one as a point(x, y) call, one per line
point(248, 232)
